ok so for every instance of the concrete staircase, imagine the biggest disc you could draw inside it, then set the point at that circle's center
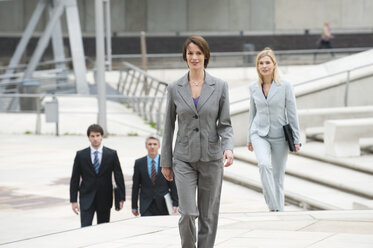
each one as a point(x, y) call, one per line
point(312, 180)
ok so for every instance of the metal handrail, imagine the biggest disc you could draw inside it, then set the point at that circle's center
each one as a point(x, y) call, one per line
point(19, 74)
point(243, 53)
point(139, 84)
point(135, 68)
point(42, 95)
point(348, 71)
point(47, 62)
point(333, 74)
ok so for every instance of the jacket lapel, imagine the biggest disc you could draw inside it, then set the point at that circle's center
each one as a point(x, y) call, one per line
point(159, 174)
point(144, 168)
point(102, 160)
point(185, 93)
point(258, 91)
point(207, 90)
point(87, 155)
point(273, 90)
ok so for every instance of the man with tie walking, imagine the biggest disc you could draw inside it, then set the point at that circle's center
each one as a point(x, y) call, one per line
point(92, 177)
point(149, 181)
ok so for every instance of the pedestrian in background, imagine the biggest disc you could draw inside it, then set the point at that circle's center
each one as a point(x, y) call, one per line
point(92, 175)
point(325, 39)
point(272, 105)
point(150, 184)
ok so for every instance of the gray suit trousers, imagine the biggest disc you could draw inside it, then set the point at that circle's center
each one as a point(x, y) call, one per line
point(206, 179)
point(272, 154)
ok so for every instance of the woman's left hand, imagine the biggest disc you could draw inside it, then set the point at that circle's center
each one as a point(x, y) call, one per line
point(297, 147)
point(228, 158)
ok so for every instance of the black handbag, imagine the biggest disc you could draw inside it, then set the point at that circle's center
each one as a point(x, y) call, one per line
point(288, 131)
point(116, 198)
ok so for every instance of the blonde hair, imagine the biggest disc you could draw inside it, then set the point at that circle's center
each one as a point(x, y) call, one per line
point(267, 52)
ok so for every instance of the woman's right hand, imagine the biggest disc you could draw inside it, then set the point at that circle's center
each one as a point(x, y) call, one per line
point(168, 173)
point(250, 146)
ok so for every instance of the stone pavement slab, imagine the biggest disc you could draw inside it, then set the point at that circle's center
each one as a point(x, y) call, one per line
point(286, 229)
point(35, 212)
point(34, 184)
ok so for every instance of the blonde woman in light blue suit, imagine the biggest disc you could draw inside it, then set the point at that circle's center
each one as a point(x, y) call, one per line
point(272, 105)
point(199, 103)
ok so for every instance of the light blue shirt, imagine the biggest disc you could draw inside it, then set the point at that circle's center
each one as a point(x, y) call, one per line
point(156, 164)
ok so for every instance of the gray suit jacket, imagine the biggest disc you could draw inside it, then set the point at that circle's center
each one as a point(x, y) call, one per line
point(267, 116)
point(203, 133)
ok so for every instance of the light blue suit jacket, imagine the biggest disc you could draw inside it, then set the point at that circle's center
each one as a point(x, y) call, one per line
point(205, 132)
point(268, 116)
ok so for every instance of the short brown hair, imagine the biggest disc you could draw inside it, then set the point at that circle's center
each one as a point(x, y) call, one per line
point(201, 43)
point(96, 129)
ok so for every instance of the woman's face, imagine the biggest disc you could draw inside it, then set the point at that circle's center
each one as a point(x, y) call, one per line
point(195, 57)
point(266, 66)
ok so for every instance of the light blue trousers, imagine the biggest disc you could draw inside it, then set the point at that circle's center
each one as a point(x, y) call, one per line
point(272, 154)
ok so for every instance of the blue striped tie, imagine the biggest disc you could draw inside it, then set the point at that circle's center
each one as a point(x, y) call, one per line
point(96, 163)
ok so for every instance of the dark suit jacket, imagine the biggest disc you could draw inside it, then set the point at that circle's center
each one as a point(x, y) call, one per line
point(143, 183)
point(90, 185)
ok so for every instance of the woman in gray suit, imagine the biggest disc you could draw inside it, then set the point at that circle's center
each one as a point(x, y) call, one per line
point(200, 103)
point(272, 105)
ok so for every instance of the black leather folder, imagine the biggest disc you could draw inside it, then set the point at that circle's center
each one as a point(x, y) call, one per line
point(288, 131)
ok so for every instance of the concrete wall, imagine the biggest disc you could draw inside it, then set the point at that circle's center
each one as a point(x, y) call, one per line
point(310, 14)
point(271, 16)
point(175, 19)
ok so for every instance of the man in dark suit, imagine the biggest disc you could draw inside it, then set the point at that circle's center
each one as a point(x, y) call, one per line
point(149, 180)
point(92, 177)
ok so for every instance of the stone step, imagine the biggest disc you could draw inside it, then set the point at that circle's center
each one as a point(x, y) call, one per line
point(320, 172)
point(364, 163)
point(305, 193)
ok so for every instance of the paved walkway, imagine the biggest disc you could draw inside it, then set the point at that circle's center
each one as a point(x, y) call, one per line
point(35, 212)
point(300, 229)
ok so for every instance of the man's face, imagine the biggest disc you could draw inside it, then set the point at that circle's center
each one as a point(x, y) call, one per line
point(152, 145)
point(95, 138)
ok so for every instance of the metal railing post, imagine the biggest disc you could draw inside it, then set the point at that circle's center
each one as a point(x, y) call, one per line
point(119, 80)
point(347, 88)
point(151, 106)
point(38, 116)
point(135, 105)
point(125, 82)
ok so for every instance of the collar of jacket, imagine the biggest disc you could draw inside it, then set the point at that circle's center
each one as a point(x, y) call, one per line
point(208, 79)
point(185, 92)
point(272, 91)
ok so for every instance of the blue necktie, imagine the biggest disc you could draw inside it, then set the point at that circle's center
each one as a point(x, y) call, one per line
point(96, 163)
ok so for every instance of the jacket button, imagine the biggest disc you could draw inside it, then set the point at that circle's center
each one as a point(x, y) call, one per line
point(195, 117)
point(196, 129)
